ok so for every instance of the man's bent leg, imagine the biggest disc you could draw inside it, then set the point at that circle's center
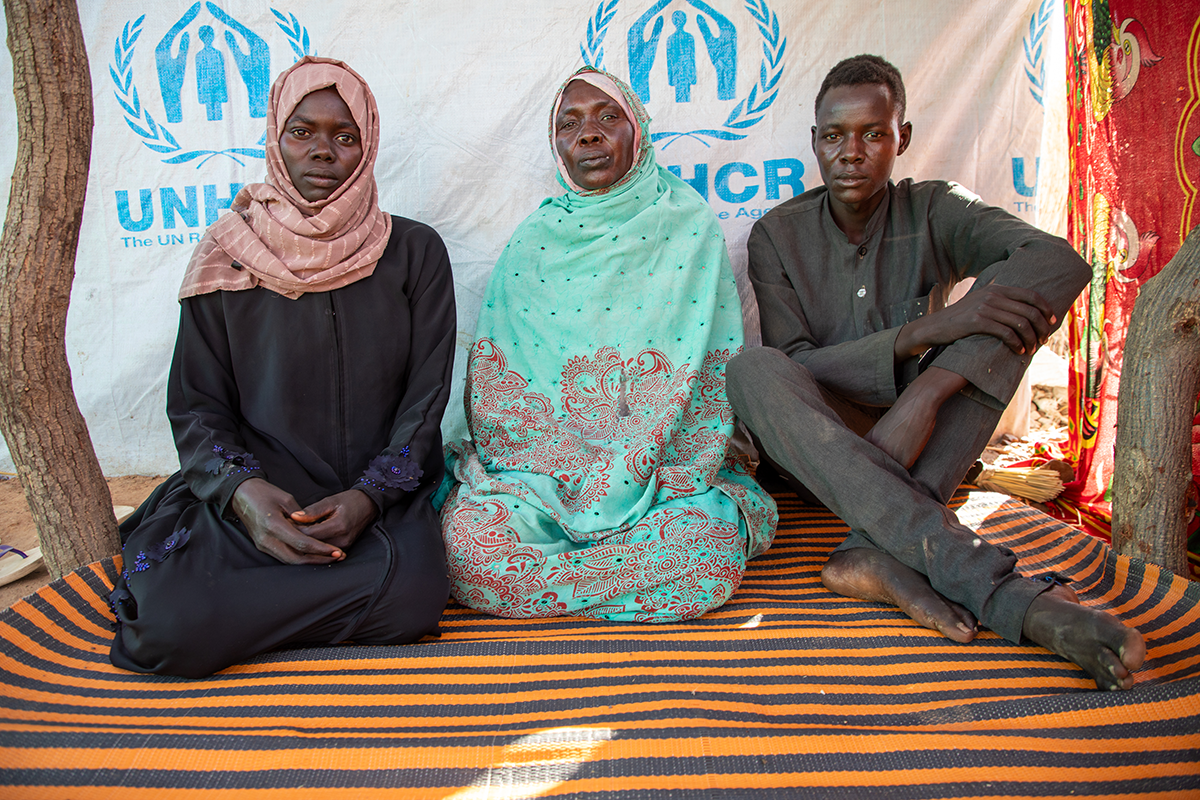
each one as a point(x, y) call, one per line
point(964, 427)
point(780, 401)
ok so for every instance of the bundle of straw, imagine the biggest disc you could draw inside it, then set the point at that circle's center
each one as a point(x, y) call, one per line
point(1038, 484)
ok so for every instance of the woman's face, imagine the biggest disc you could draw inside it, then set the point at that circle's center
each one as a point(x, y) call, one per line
point(593, 136)
point(320, 144)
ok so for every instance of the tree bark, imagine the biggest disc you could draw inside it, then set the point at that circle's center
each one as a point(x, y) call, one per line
point(39, 418)
point(1156, 403)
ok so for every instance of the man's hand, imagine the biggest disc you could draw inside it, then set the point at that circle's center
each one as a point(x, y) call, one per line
point(338, 519)
point(1021, 318)
point(264, 509)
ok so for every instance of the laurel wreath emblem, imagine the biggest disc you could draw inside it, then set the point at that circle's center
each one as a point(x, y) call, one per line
point(593, 51)
point(750, 110)
point(1035, 65)
point(155, 135)
point(297, 34)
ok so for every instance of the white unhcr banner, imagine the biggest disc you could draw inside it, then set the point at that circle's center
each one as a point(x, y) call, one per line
point(464, 90)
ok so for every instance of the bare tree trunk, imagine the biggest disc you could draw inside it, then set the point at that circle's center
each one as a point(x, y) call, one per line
point(1155, 406)
point(39, 417)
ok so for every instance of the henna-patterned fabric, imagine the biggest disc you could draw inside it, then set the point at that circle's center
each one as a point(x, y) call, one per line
point(597, 480)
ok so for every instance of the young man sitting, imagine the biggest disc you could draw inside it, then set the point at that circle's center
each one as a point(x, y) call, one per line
point(874, 397)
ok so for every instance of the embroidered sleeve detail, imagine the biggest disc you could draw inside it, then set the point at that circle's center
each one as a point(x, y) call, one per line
point(118, 596)
point(175, 541)
point(157, 553)
point(231, 462)
point(393, 472)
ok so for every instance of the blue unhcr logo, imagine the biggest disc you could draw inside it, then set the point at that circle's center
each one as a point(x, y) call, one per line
point(647, 46)
point(1035, 64)
point(720, 41)
point(246, 51)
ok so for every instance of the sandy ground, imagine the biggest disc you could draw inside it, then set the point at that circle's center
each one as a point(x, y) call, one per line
point(17, 529)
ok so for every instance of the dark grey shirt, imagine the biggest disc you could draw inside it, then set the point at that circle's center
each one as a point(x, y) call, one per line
point(837, 308)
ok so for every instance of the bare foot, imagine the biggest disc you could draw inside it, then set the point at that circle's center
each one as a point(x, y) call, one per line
point(1100, 643)
point(872, 575)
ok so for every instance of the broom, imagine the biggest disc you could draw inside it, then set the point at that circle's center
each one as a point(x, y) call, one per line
point(1038, 484)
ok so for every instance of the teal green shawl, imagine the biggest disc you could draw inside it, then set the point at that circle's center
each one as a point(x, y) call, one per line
point(595, 388)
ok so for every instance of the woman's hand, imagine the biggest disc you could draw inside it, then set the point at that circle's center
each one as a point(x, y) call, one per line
point(267, 511)
point(338, 519)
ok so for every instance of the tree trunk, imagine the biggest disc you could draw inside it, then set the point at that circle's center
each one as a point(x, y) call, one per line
point(39, 417)
point(1152, 474)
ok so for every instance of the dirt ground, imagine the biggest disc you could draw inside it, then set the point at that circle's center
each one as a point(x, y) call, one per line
point(1049, 409)
point(17, 529)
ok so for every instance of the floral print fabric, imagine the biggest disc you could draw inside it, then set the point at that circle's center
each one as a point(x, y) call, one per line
point(1133, 87)
point(597, 481)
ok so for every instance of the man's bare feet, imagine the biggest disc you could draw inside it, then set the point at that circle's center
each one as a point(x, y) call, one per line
point(1100, 643)
point(872, 575)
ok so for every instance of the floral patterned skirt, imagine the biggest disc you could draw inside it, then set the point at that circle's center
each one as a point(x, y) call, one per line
point(684, 557)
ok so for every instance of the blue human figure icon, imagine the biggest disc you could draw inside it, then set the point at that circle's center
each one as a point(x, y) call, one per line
point(642, 50)
point(721, 46)
point(172, 68)
point(253, 63)
point(210, 75)
point(681, 59)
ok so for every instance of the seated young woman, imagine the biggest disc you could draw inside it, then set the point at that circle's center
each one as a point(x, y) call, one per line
point(306, 393)
point(597, 482)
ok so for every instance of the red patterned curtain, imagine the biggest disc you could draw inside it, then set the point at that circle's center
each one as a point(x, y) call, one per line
point(1133, 72)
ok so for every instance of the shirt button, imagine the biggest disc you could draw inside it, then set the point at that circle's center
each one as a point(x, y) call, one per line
point(862, 251)
point(862, 291)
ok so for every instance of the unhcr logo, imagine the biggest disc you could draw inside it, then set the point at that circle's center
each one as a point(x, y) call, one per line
point(708, 71)
point(213, 74)
point(195, 71)
point(675, 42)
point(720, 40)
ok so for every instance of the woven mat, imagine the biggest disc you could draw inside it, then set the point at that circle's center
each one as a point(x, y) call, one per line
point(787, 691)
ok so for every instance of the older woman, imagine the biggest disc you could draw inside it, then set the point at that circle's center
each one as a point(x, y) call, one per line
point(597, 482)
point(306, 392)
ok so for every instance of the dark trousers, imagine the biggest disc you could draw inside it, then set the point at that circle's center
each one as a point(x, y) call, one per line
point(900, 512)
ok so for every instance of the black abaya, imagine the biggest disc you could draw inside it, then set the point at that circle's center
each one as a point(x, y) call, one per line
point(331, 391)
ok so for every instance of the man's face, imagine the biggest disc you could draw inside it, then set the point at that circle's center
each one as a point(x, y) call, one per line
point(856, 140)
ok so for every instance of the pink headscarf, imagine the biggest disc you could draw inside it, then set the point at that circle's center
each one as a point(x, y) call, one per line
point(278, 239)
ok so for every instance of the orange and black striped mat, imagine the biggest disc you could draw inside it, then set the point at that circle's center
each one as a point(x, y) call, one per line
point(787, 691)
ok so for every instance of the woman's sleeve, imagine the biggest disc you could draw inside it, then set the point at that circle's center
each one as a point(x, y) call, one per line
point(202, 403)
point(413, 457)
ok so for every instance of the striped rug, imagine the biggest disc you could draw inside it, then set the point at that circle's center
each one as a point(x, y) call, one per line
point(787, 691)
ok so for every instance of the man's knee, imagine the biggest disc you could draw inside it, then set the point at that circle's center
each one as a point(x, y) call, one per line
point(748, 365)
point(759, 378)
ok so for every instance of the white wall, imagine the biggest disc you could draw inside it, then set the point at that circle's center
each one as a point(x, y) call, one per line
point(464, 90)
